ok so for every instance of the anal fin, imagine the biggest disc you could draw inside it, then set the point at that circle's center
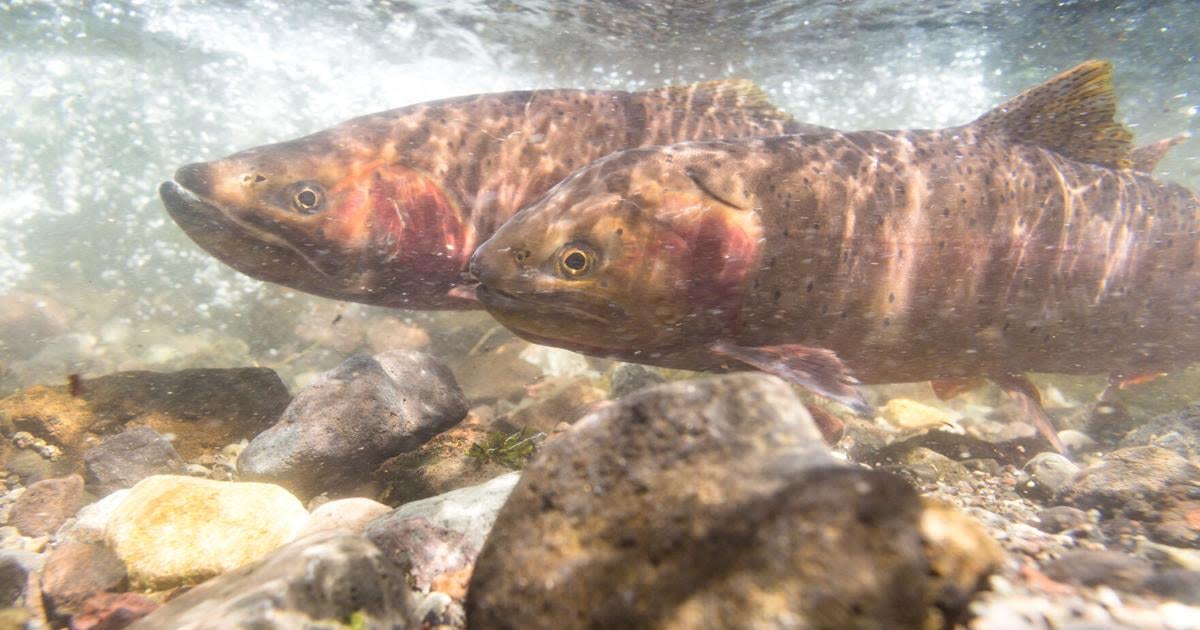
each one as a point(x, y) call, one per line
point(816, 369)
point(1145, 158)
point(1027, 396)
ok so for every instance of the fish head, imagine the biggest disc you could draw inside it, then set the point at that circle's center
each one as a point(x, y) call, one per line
point(629, 254)
point(330, 214)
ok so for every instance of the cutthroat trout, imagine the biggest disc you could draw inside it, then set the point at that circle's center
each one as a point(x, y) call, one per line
point(386, 209)
point(1027, 240)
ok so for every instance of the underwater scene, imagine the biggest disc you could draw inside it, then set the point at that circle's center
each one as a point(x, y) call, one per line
point(534, 314)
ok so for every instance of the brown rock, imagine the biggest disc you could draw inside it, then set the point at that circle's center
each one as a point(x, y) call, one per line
point(564, 400)
point(47, 504)
point(112, 611)
point(75, 571)
point(50, 413)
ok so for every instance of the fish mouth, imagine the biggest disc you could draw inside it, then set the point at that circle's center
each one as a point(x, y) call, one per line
point(229, 241)
point(539, 305)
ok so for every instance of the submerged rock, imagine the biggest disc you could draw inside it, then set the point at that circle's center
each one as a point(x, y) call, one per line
point(16, 568)
point(349, 515)
point(715, 503)
point(340, 428)
point(327, 580)
point(173, 530)
point(1049, 475)
point(1177, 431)
point(128, 457)
point(76, 571)
point(443, 534)
point(110, 611)
point(47, 504)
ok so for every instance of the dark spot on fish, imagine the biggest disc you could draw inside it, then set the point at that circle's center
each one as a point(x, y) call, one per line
point(620, 231)
point(809, 287)
point(845, 314)
point(336, 319)
point(824, 309)
point(1032, 329)
point(75, 385)
point(1006, 325)
point(776, 295)
point(887, 321)
point(945, 212)
point(891, 298)
point(941, 244)
point(845, 255)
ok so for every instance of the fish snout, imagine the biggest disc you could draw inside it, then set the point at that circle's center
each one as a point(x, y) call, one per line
point(491, 265)
point(196, 178)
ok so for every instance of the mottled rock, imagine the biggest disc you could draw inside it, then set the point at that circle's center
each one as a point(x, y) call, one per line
point(1094, 568)
point(112, 611)
point(1131, 480)
point(350, 515)
point(1178, 584)
point(314, 582)
point(1177, 431)
point(1049, 474)
point(76, 571)
point(555, 402)
point(440, 465)
point(128, 457)
point(203, 408)
point(630, 377)
point(340, 428)
point(32, 468)
point(47, 504)
point(16, 567)
point(922, 465)
point(173, 530)
point(1061, 518)
point(712, 503)
point(442, 534)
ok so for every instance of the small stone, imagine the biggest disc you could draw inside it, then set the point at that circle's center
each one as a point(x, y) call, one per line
point(89, 523)
point(1139, 482)
point(128, 457)
point(1049, 475)
point(340, 428)
point(351, 515)
point(32, 468)
point(1061, 518)
point(906, 413)
point(1100, 568)
point(47, 504)
point(441, 534)
point(76, 571)
point(927, 466)
point(1076, 441)
point(315, 582)
point(112, 611)
point(174, 530)
point(630, 377)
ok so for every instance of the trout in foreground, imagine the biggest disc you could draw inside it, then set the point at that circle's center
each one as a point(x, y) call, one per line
point(1027, 240)
point(386, 209)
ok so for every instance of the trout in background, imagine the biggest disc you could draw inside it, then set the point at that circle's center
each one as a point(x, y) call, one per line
point(1028, 240)
point(386, 209)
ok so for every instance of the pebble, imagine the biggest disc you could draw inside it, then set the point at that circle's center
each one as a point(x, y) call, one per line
point(351, 515)
point(923, 465)
point(714, 502)
point(128, 457)
point(174, 530)
point(314, 582)
point(1100, 568)
point(1049, 475)
point(339, 429)
point(16, 567)
point(1179, 584)
point(1061, 518)
point(905, 413)
point(441, 534)
point(630, 377)
point(88, 524)
point(46, 504)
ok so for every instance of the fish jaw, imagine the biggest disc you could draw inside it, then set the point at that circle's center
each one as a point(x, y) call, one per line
point(377, 233)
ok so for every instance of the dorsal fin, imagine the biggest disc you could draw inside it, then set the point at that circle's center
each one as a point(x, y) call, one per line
point(1147, 157)
point(739, 94)
point(1071, 114)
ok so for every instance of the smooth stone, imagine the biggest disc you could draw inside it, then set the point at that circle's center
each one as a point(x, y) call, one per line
point(1179, 584)
point(441, 534)
point(1076, 441)
point(75, 571)
point(715, 503)
point(112, 611)
point(1061, 518)
point(905, 413)
point(89, 522)
point(351, 515)
point(1049, 475)
point(128, 457)
point(174, 530)
point(927, 466)
point(47, 504)
point(1094, 568)
point(339, 429)
point(315, 582)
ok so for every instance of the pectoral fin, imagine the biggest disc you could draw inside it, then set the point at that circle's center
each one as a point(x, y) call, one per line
point(817, 369)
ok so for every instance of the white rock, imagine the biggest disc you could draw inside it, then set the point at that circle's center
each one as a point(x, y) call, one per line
point(89, 523)
point(343, 514)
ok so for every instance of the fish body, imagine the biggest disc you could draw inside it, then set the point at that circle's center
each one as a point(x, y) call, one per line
point(385, 209)
point(1023, 241)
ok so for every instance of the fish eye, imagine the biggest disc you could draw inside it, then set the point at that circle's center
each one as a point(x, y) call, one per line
point(308, 198)
point(575, 260)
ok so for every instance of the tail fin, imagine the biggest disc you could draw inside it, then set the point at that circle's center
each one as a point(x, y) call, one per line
point(1072, 114)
